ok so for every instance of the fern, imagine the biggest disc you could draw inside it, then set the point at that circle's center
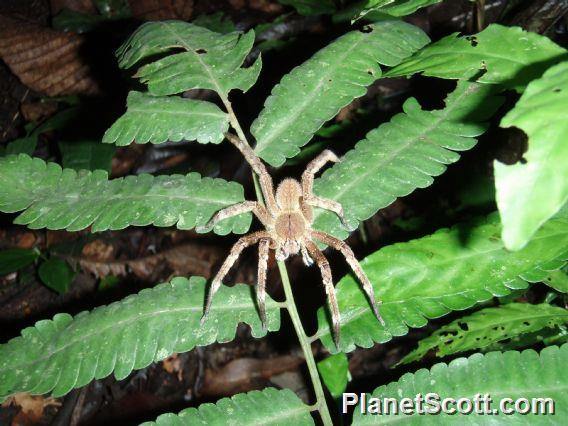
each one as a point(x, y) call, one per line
point(505, 55)
point(487, 327)
point(66, 352)
point(56, 198)
point(328, 81)
point(161, 119)
point(429, 277)
point(403, 154)
point(267, 407)
point(529, 193)
point(209, 61)
point(511, 374)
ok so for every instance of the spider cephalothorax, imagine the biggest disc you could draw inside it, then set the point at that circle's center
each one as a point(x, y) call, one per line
point(287, 219)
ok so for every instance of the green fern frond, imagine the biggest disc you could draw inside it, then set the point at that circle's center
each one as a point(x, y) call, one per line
point(510, 374)
point(160, 119)
point(403, 154)
point(452, 269)
point(56, 198)
point(315, 91)
point(487, 327)
point(503, 55)
point(267, 407)
point(209, 60)
point(65, 353)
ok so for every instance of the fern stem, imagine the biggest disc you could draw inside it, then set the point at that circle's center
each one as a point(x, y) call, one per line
point(289, 304)
point(305, 344)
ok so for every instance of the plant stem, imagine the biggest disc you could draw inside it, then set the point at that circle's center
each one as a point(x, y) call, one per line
point(289, 304)
point(305, 344)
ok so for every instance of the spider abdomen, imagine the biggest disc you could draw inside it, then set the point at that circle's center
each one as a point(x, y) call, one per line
point(290, 226)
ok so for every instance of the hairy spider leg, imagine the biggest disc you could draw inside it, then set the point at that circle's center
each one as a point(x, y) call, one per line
point(355, 266)
point(310, 198)
point(235, 252)
point(236, 209)
point(327, 279)
point(259, 168)
point(263, 250)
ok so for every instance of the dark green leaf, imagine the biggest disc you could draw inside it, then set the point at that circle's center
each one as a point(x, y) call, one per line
point(452, 269)
point(160, 119)
point(334, 371)
point(311, 7)
point(487, 327)
point(315, 91)
point(12, 260)
point(65, 199)
point(511, 374)
point(56, 274)
point(266, 407)
point(404, 154)
point(507, 55)
point(86, 155)
point(68, 352)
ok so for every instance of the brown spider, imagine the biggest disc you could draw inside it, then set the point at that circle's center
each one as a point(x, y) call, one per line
point(287, 219)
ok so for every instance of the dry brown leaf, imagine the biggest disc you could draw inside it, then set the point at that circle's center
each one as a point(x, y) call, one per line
point(98, 251)
point(244, 374)
point(31, 406)
point(83, 6)
point(182, 260)
point(45, 60)
point(173, 365)
point(159, 10)
point(38, 111)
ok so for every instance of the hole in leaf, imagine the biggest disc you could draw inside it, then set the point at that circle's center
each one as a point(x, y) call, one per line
point(201, 51)
point(526, 323)
point(370, 72)
point(463, 326)
point(367, 29)
point(472, 40)
point(557, 90)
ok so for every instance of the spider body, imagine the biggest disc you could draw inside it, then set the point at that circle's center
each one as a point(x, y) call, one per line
point(287, 219)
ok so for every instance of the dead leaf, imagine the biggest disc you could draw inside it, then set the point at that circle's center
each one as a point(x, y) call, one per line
point(245, 374)
point(160, 10)
point(173, 365)
point(83, 6)
point(185, 259)
point(45, 60)
point(31, 406)
point(98, 250)
point(38, 111)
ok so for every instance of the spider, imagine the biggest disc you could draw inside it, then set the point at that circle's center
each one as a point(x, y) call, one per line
point(287, 219)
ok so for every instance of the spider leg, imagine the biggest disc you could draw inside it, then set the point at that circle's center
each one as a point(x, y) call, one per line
point(236, 250)
point(312, 168)
point(308, 261)
point(323, 264)
point(263, 247)
point(331, 205)
point(259, 168)
point(236, 209)
point(355, 266)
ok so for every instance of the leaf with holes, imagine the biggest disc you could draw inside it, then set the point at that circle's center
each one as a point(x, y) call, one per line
point(558, 280)
point(208, 60)
point(315, 91)
point(487, 327)
point(269, 406)
point(530, 192)
point(403, 154)
point(503, 55)
point(160, 119)
point(68, 352)
point(56, 198)
point(452, 269)
point(514, 374)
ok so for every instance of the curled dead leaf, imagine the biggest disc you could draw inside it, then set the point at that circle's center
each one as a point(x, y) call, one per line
point(45, 60)
point(159, 10)
point(31, 406)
